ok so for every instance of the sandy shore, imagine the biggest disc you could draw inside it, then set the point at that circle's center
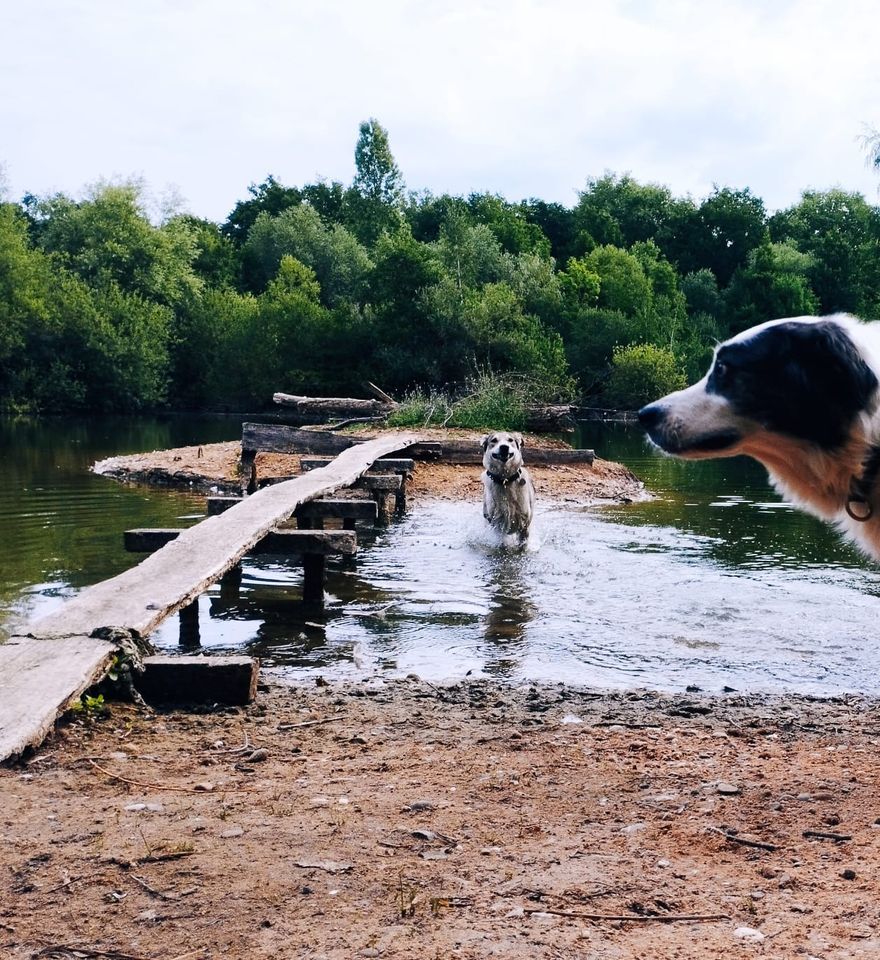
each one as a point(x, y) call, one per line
point(404, 820)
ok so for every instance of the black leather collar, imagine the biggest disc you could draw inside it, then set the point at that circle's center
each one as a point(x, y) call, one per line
point(858, 502)
point(506, 481)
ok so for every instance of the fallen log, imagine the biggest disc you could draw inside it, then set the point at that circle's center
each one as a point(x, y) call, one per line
point(334, 406)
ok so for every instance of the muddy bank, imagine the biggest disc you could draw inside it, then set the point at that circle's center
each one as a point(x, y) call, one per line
point(215, 468)
point(403, 820)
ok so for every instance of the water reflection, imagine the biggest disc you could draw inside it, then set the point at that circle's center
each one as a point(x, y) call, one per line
point(510, 611)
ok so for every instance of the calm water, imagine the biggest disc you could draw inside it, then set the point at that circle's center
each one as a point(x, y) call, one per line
point(715, 583)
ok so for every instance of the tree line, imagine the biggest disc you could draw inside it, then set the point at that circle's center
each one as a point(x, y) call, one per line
point(316, 288)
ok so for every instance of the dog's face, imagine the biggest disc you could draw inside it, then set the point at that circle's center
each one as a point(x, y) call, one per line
point(803, 379)
point(502, 452)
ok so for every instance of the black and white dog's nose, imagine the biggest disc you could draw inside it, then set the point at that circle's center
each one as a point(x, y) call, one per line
point(503, 451)
point(651, 415)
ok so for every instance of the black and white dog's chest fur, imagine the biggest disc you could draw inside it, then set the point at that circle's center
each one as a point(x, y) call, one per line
point(801, 396)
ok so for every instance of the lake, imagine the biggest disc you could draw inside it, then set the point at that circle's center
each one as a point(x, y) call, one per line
point(715, 583)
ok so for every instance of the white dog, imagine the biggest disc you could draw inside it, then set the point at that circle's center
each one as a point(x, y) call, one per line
point(800, 396)
point(508, 491)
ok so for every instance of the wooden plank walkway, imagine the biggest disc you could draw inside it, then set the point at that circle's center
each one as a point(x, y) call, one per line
point(59, 656)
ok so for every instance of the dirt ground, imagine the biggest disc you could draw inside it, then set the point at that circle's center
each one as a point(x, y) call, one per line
point(404, 820)
point(400, 819)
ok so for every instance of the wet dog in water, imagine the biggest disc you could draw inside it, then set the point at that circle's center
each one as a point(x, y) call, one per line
point(508, 492)
point(800, 396)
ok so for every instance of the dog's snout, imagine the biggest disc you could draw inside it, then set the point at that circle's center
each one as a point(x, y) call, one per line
point(503, 450)
point(651, 415)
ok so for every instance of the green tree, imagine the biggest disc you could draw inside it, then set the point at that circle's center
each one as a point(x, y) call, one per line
point(841, 232)
point(773, 284)
point(269, 197)
point(108, 238)
point(339, 261)
point(377, 190)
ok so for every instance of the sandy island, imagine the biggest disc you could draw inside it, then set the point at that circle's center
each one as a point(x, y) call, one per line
point(400, 819)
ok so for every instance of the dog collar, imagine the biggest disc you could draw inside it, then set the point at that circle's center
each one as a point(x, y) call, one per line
point(506, 481)
point(858, 501)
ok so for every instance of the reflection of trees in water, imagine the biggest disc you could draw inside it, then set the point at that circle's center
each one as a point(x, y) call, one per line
point(510, 611)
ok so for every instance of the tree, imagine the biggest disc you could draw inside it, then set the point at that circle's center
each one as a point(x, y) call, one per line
point(727, 226)
point(841, 232)
point(508, 222)
point(377, 190)
point(108, 239)
point(339, 261)
point(270, 197)
point(773, 284)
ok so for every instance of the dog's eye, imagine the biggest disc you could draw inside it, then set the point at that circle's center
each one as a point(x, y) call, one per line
point(721, 369)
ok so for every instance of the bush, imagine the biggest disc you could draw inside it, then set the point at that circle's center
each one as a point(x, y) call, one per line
point(490, 402)
point(641, 373)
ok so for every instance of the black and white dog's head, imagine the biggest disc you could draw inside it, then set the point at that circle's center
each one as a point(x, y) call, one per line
point(801, 396)
point(806, 379)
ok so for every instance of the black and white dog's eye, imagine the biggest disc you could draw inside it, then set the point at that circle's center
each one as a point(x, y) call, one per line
point(721, 369)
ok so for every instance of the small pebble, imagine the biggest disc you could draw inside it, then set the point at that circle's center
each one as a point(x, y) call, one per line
point(849, 874)
point(232, 832)
point(258, 756)
point(727, 789)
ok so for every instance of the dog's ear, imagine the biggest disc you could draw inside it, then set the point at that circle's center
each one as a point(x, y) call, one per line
point(518, 440)
point(484, 443)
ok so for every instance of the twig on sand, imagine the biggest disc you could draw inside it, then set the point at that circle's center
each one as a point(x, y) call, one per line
point(824, 835)
point(310, 723)
point(72, 880)
point(632, 918)
point(63, 950)
point(162, 786)
point(733, 838)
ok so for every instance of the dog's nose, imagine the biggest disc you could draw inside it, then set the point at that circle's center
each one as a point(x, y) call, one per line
point(503, 450)
point(651, 415)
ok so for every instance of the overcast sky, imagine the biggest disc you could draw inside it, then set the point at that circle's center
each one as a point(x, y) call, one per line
point(527, 98)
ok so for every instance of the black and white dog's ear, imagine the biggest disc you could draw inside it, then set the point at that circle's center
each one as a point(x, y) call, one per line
point(518, 440)
point(484, 443)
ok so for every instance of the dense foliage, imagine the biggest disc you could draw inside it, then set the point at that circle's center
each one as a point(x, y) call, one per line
point(320, 287)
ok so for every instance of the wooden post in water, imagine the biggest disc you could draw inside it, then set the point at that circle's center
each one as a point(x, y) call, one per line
point(314, 567)
point(230, 584)
point(189, 626)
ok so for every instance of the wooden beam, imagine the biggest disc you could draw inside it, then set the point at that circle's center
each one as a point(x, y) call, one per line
point(149, 539)
point(383, 465)
point(218, 505)
point(359, 509)
point(309, 542)
point(142, 597)
point(170, 679)
point(389, 482)
point(40, 680)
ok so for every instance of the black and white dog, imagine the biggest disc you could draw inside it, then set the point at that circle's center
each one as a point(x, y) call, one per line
point(800, 396)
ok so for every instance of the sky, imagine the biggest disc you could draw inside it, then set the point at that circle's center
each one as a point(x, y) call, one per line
point(526, 98)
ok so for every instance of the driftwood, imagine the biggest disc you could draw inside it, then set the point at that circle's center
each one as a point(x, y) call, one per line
point(547, 418)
